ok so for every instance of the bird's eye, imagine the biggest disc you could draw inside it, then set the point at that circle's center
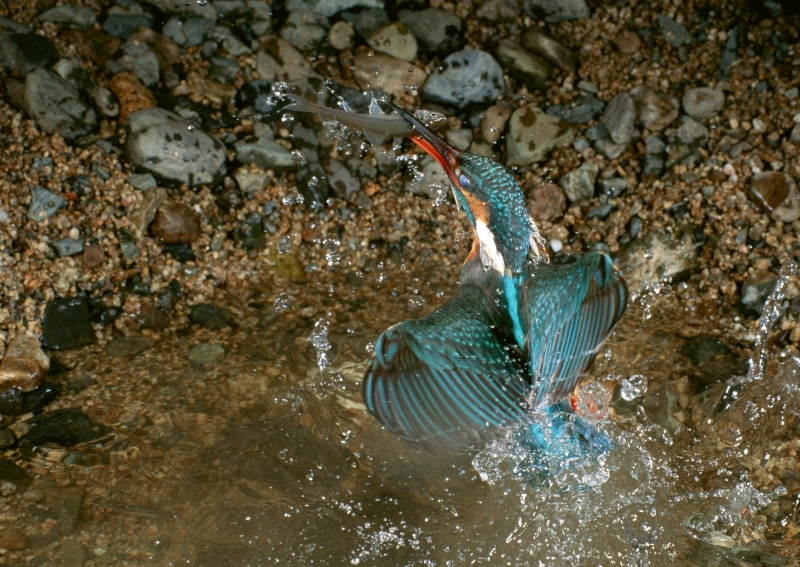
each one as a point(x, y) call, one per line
point(464, 182)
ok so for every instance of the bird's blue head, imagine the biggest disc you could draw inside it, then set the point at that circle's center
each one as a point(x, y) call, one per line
point(491, 199)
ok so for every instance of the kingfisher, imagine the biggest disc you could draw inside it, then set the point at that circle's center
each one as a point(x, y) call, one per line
point(516, 337)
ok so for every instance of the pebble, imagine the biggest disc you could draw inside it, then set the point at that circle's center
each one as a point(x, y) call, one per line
point(527, 68)
point(547, 47)
point(756, 289)
point(122, 347)
point(142, 181)
point(131, 94)
point(495, 11)
point(493, 123)
point(546, 202)
point(68, 246)
point(69, 15)
point(69, 502)
point(396, 40)
point(312, 184)
point(341, 182)
point(693, 133)
point(656, 256)
point(24, 365)
point(203, 9)
point(600, 212)
point(341, 35)
point(166, 51)
point(139, 59)
point(66, 427)
point(584, 110)
point(776, 193)
point(206, 353)
point(265, 154)
point(370, 20)
point(10, 471)
point(223, 70)
point(170, 147)
point(674, 33)
point(532, 134)
point(461, 138)
point(176, 222)
point(145, 210)
point(609, 148)
point(431, 181)
point(39, 397)
point(188, 31)
point(57, 106)
point(7, 438)
point(211, 316)
point(151, 317)
point(703, 102)
point(44, 204)
point(93, 256)
point(104, 102)
point(250, 181)
point(655, 145)
point(11, 25)
point(437, 31)
point(67, 324)
point(578, 184)
point(614, 186)
point(260, 15)
point(558, 10)
point(305, 30)
point(330, 7)
point(24, 52)
point(628, 42)
point(13, 539)
point(73, 554)
point(465, 77)
point(11, 402)
point(655, 111)
point(395, 75)
point(721, 539)
point(619, 118)
point(792, 94)
point(124, 25)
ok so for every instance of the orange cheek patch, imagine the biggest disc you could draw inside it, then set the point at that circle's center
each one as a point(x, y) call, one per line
point(479, 209)
point(473, 253)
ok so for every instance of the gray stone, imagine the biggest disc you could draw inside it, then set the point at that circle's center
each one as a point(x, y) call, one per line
point(223, 70)
point(251, 182)
point(7, 438)
point(703, 102)
point(124, 25)
point(792, 94)
point(394, 39)
point(73, 554)
point(229, 8)
point(260, 17)
point(794, 137)
point(657, 257)
point(24, 52)
point(776, 194)
point(331, 7)
point(342, 183)
point(139, 59)
point(655, 111)
point(655, 145)
point(280, 60)
point(461, 138)
point(584, 111)
point(124, 347)
point(369, 21)
point(105, 102)
point(495, 11)
point(203, 9)
point(430, 180)
point(235, 46)
point(170, 147)
point(614, 186)
point(206, 353)
point(11, 25)
point(755, 292)
point(693, 133)
point(142, 181)
point(68, 246)
point(57, 106)
point(43, 203)
point(69, 15)
point(493, 123)
point(266, 154)
point(465, 77)
point(578, 184)
point(597, 132)
point(554, 52)
point(436, 30)
point(341, 35)
point(600, 212)
point(188, 31)
point(70, 503)
point(395, 76)
point(557, 10)
point(305, 29)
point(653, 165)
point(527, 68)
point(673, 32)
point(532, 134)
point(619, 118)
point(609, 149)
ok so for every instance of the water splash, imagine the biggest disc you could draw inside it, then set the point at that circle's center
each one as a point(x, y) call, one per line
point(332, 255)
point(633, 387)
point(282, 302)
point(285, 245)
point(319, 340)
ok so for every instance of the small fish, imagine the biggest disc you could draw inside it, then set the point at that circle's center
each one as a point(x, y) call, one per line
point(376, 125)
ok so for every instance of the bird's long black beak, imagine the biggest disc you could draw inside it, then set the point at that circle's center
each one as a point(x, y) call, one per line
point(431, 142)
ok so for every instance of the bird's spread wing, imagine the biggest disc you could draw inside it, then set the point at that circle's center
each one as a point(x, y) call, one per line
point(571, 309)
point(446, 378)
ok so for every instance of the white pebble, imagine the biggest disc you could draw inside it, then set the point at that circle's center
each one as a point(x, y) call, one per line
point(556, 246)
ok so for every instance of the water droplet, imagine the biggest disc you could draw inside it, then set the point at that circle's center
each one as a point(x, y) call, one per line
point(298, 157)
point(634, 387)
point(285, 245)
point(283, 301)
point(319, 340)
point(416, 301)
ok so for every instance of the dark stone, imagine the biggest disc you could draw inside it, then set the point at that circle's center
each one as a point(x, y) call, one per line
point(25, 52)
point(169, 297)
point(703, 348)
point(11, 471)
point(436, 30)
point(229, 199)
point(600, 212)
point(11, 401)
point(123, 347)
point(312, 184)
point(7, 438)
point(258, 95)
point(123, 25)
point(251, 233)
point(585, 109)
point(40, 396)
point(673, 32)
point(66, 427)
point(151, 317)
point(181, 251)
point(370, 20)
point(67, 324)
point(136, 285)
point(340, 180)
point(223, 70)
point(80, 385)
point(755, 292)
point(211, 316)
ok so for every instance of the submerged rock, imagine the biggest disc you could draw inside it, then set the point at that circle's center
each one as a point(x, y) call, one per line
point(524, 66)
point(66, 427)
point(67, 324)
point(546, 202)
point(431, 181)
point(557, 10)
point(395, 76)
point(673, 32)
point(24, 52)
point(57, 106)
point(619, 118)
point(464, 78)
point(655, 111)
point(305, 29)
point(776, 193)
point(330, 7)
point(533, 134)
point(69, 15)
point(658, 257)
point(547, 47)
point(578, 184)
point(396, 40)
point(437, 31)
point(703, 102)
point(24, 365)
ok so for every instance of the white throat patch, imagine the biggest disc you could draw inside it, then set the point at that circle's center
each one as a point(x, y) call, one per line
point(489, 254)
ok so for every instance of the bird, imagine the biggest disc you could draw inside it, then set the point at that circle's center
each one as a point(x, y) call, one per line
point(516, 337)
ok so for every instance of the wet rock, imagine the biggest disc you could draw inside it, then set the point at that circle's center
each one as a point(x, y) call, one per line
point(202, 9)
point(24, 365)
point(532, 134)
point(131, 94)
point(396, 40)
point(437, 31)
point(703, 102)
point(250, 181)
point(657, 256)
point(69, 503)
point(104, 102)
point(547, 47)
point(655, 111)
point(266, 155)
point(546, 202)
point(369, 21)
point(11, 25)
point(341, 182)
point(123, 25)
point(11, 472)
point(188, 31)
point(73, 554)
point(396, 76)
point(673, 32)
point(11, 402)
point(181, 251)
point(7, 438)
point(69, 16)
point(280, 60)
point(223, 70)
point(139, 59)
point(776, 194)
point(93, 255)
point(145, 210)
point(755, 292)
point(460, 139)
point(206, 353)
point(142, 181)
point(494, 122)
point(578, 184)
point(40, 397)
point(431, 182)
point(67, 324)
point(250, 233)
point(609, 148)
point(628, 41)
point(166, 51)
point(331, 7)
point(211, 316)
point(24, 52)
point(693, 133)
point(57, 106)
point(583, 111)
point(465, 77)
point(43, 204)
point(66, 427)
point(341, 35)
point(176, 222)
point(557, 10)
point(614, 186)
point(305, 29)
point(199, 88)
point(495, 11)
point(260, 14)
point(524, 66)
point(312, 184)
point(168, 146)
point(703, 348)
point(13, 539)
point(123, 347)
point(655, 145)
point(150, 317)
point(619, 118)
